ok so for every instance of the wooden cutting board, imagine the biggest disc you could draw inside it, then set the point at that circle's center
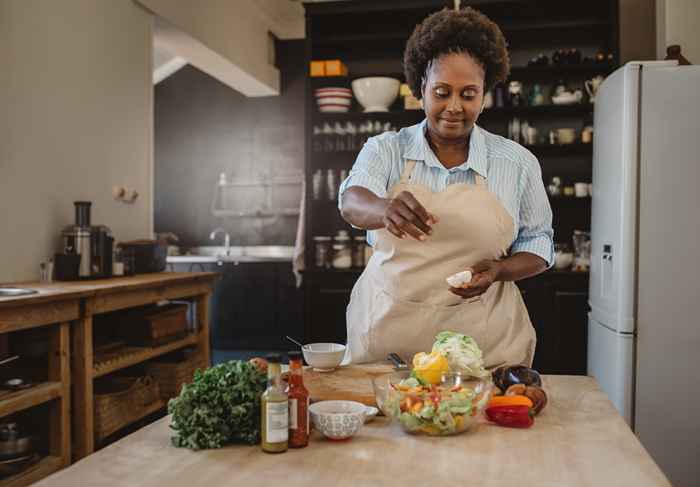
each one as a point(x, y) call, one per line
point(350, 383)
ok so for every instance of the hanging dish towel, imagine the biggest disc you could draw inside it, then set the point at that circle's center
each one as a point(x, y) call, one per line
point(298, 259)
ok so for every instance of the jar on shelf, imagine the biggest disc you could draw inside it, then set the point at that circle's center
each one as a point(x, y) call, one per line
point(322, 248)
point(342, 253)
point(358, 251)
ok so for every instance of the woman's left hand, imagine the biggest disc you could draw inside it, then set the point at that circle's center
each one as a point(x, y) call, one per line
point(484, 274)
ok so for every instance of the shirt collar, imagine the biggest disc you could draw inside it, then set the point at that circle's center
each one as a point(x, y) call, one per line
point(418, 149)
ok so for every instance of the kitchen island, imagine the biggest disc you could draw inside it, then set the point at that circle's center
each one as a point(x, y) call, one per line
point(578, 440)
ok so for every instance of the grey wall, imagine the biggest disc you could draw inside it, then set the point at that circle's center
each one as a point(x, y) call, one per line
point(203, 128)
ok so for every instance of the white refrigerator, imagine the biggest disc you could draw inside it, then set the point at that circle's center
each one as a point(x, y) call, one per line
point(644, 322)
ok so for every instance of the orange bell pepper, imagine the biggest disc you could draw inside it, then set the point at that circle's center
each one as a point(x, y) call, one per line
point(517, 400)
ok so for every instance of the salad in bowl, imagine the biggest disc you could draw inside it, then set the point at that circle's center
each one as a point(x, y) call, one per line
point(444, 393)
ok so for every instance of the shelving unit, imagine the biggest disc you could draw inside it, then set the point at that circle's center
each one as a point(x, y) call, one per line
point(115, 295)
point(369, 37)
point(53, 394)
point(128, 356)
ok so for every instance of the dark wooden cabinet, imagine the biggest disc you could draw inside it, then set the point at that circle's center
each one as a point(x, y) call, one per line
point(369, 36)
point(327, 298)
point(254, 305)
point(558, 306)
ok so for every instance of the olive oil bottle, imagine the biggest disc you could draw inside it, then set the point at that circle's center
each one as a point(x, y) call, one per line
point(274, 409)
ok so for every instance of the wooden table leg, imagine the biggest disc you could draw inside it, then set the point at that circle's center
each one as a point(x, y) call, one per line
point(59, 371)
point(81, 370)
point(203, 326)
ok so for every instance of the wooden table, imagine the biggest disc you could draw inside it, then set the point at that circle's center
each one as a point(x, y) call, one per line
point(579, 440)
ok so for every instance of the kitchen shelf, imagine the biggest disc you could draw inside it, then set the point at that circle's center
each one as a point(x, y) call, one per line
point(411, 117)
point(27, 398)
point(556, 71)
point(147, 411)
point(128, 356)
point(545, 150)
point(43, 468)
point(573, 200)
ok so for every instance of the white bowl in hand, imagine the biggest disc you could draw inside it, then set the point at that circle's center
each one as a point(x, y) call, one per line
point(376, 93)
point(338, 420)
point(323, 357)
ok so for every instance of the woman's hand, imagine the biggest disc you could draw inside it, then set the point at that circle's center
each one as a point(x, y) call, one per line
point(404, 215)
point(484, 274)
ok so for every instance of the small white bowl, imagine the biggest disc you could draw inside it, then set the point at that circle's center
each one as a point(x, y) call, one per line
point(338, 420)
point(323, 357)
point(376, 93)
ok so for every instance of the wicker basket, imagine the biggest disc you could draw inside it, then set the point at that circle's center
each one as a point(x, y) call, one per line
point(119, 401)
point(172, 375)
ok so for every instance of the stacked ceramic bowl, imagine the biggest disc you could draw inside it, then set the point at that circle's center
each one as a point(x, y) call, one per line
point(333, 99)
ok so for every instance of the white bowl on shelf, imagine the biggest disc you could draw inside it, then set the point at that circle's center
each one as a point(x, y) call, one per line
point(323, 357)
point(376, 93)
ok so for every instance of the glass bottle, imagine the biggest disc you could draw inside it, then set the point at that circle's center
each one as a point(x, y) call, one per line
point(342, 254)
point(322, 246)
point(274, 410)
point(358, 251)
point(298, 403)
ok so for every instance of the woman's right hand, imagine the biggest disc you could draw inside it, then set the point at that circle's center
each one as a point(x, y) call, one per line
point(404, 215)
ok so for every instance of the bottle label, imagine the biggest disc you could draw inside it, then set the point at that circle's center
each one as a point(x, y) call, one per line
point(293, 424)
point(277, 416)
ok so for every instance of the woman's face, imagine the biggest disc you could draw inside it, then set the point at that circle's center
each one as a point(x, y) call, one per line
point(453, 95)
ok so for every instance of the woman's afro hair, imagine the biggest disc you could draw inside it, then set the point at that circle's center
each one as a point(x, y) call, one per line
point(456, 31)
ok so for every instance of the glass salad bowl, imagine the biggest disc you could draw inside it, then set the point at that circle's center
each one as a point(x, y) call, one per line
point(450, 408)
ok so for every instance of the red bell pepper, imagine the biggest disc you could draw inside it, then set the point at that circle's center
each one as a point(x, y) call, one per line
point(512, 416)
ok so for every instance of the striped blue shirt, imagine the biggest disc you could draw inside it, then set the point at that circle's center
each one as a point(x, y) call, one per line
point(512, 173)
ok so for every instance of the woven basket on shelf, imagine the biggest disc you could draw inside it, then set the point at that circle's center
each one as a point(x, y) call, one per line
point(171, 376)
point(120, 401)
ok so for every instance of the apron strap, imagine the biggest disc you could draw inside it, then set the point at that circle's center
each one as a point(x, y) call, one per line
point(407, 171)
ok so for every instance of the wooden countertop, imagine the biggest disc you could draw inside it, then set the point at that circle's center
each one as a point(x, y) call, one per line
point(578, 440)
point(62, 290)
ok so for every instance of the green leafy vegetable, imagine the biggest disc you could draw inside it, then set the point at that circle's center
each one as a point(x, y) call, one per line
point(462, 353)
point(220, 406)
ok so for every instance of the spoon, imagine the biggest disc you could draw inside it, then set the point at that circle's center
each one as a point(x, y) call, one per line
point(295, 342)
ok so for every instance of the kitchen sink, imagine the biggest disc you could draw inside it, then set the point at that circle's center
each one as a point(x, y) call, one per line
point(252, 253)
point(11, 292)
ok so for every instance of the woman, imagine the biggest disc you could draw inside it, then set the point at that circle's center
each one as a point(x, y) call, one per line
point(445, 196)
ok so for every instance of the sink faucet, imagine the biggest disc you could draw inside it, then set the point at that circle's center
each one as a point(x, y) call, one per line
point(227, 239)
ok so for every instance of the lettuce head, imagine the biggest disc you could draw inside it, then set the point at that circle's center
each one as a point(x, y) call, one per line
point(462, 353)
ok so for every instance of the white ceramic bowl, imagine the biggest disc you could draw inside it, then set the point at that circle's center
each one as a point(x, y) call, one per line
point(377, 93)
point(323, 357)
point(338, 420)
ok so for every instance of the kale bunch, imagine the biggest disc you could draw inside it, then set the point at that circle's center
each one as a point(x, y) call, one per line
point(220, 406)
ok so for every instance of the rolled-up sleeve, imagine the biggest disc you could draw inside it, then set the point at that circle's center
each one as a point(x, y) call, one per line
point(535, 233)
point(371, 170)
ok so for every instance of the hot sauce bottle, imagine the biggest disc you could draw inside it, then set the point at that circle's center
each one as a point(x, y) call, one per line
point(298, 403)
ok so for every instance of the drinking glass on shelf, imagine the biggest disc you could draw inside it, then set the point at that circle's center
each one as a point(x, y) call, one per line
point(332, 184)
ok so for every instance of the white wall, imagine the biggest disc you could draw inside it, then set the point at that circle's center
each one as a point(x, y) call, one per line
point(637, 30)
point(677, 23)
point(229, 40)
point(76, 118)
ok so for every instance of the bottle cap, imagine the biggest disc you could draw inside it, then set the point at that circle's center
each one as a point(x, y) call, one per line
point(294, 355)
point(273, 358)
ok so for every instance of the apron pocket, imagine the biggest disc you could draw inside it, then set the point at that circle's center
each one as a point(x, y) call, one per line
point(404, 327)
point(468, 318)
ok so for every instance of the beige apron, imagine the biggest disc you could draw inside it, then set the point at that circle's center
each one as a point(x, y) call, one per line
point(401, 300)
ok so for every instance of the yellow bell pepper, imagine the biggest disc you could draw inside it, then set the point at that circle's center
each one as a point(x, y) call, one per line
point(430, 366)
